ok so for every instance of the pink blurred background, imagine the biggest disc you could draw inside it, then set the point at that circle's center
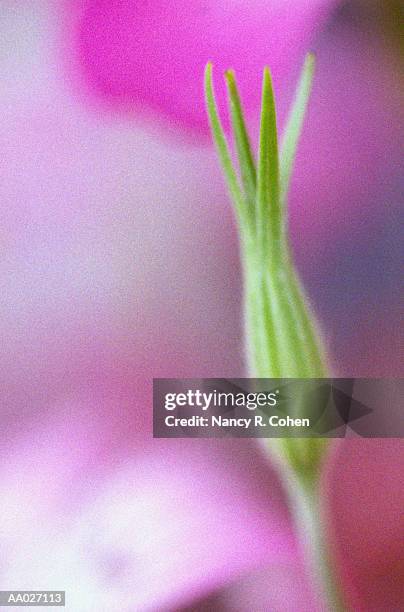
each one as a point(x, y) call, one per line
point(120, 264)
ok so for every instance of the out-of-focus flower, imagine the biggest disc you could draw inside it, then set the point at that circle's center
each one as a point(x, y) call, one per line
point(166, 525)
point(149, 55)
point(123, 527)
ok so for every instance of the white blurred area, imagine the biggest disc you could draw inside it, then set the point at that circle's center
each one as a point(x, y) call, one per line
point(25, 65)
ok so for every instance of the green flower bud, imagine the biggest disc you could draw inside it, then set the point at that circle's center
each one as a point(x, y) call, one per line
point(282, 337)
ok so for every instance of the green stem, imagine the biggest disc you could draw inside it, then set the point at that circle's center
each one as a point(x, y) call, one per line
point(304, 499)
point(275, 351)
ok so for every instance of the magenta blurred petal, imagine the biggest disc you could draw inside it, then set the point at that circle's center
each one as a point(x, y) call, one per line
point(151, 55)
point(366, 500)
